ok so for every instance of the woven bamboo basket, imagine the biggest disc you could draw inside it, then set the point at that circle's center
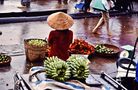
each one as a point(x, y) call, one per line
point(35, 53)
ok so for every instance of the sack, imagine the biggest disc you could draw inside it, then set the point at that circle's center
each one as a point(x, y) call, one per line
point(80, 6)
point(98, 5)
point(19, 83)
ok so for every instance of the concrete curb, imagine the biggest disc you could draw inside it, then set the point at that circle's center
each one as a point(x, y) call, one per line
point(36, 17)
point(22, 19)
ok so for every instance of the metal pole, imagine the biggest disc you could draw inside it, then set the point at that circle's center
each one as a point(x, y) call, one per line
point(132, 57)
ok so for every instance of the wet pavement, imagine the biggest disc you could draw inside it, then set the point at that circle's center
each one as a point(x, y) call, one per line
point(124, 32)
point(124, 29)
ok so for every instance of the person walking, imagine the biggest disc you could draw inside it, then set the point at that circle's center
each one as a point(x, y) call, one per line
point(0, 32)
point(61, 37)
point(64, 1)
point(105, 17)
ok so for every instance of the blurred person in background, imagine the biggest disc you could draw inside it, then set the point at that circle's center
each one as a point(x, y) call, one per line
point(64, 1)
point(108, 4)
point(123, 5)
point(87, 5)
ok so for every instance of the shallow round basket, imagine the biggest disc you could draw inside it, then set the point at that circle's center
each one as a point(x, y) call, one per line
point(110, 46)
point(6, 62)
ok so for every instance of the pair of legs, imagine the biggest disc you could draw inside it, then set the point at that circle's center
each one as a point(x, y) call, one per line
point(104, 19)
point(0, 33)
point(64, 1)
point(87, 5)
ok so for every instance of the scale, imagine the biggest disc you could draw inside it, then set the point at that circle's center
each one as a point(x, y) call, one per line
point(126, 66)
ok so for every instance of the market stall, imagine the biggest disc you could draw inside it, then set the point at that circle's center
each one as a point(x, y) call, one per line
point(78, 72)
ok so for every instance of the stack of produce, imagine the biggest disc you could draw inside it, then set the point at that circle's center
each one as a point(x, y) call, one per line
point(100, 48)
point(4, 60)
point(57, 69)
point(76, 67)
point(79, 67)
point(80, 46)
point(37, 42)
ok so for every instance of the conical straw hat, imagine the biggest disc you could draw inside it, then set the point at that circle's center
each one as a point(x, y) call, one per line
point(60, 21)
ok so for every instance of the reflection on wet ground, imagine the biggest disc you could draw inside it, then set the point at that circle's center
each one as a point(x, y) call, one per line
point(124, 29)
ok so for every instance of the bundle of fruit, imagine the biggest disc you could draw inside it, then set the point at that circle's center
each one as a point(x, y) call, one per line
point(4, 60)
point(103, 49)
point(79, 67)
point(37, 42)
point(80, 46)
point(76, 67)
point(57, 69)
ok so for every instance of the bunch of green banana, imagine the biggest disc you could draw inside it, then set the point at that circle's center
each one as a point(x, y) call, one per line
point(79, 67)
point(48, 60)
point(57, 69)
point(37, 42)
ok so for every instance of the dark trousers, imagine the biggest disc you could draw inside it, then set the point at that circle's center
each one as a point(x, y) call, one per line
point(87, 5)
point(64, 1)
point(123, 5)
point(1, 1)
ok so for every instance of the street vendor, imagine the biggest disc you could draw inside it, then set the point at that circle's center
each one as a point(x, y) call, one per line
point(61, 37)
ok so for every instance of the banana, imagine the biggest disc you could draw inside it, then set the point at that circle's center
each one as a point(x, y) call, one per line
point(57, 69)
point(60, 70)
point(79, 67)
